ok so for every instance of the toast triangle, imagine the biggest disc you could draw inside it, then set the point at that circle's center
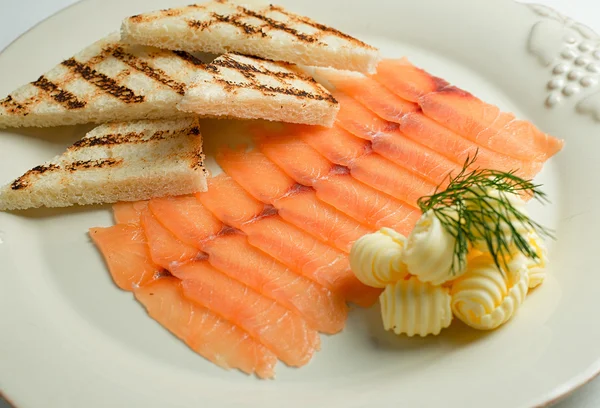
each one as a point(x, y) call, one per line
point(126, 161)
point(266, 31)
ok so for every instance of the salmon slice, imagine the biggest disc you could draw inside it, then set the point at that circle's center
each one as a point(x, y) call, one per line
point(408, 154)
point(294, 156)
point(336, 144)
point(360, 201)
point(266, 182)
point(165, 248)
point(229, 202)
point(304, 210)
point(431, 134)
point(302, 162)
point(467, 115)
point(339, 189)
point(360, 121)
point(420, 160)
point(487, 126)
point(310, 257)
point(366, 90)
point(186, 218)
point(209, 335)
point(293, 247)
point(232, 254)
point(128, 212)
point(406, 80)
point(445, 150)
point(125, 251)
point(255, 173)
point(285, 333)
point(385, 176)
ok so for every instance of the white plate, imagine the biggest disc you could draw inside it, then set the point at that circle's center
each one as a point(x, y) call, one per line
point(69, 337)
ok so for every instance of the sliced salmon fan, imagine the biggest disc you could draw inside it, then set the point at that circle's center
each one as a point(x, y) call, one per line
point(181, 238)
point(255, 269)
point(205, 332)
point(455, 109)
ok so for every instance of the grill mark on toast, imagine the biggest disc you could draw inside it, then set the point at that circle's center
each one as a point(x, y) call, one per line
point(128, 138)
point(318, 26)
point(252, 29)
point(102, 55)
point(267, 89)
point(110, 140)
point(198, 158)
point(13, 106)
point(138, 18)
point(155, 73)
point(234, 20)
point(278, 25)
point(123, 74)
point(200, 25)
point(103, 82)
point(23, 181)
point(93, 164)
point(249, 72)
point(189, 58)
point(65, 98)
point(170, 12)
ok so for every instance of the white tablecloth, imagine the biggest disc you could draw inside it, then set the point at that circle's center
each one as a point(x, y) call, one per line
point(17, 16)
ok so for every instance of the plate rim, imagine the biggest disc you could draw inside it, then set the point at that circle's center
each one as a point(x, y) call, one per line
point(553, 396)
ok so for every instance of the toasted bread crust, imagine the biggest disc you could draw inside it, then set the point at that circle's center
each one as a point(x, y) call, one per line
point(266, 31)
point(257, 88)
point(147, 83)
point(110, 164)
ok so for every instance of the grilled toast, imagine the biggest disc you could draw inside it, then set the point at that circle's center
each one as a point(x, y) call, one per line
point(127, 161)
point(253, 88)
point(266, 31)
point(106, 81)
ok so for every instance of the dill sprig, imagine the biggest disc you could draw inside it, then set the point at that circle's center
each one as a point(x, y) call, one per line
point(474, 217)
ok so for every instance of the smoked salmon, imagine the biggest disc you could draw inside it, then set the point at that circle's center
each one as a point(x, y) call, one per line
point(265, 181)
point(336, 144)
point(231, 253)
point(216, 339)
point(292, 246)
point(165, 249)
point(438, 140)
point(186, 218)
point(390, 142)
point(305, 164)
point(253, 269)
point(128, 212)
point(209, 335)
point(406, 80)
point(467, 115)
point(283, 332)
point(323, 309)
point(434, 136)
point(487, 126)
point(229, 202)
point(366, 90)
point(126, 253)
point(303, 209)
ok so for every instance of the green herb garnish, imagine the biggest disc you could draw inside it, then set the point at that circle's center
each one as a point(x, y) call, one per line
point(474, 218)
